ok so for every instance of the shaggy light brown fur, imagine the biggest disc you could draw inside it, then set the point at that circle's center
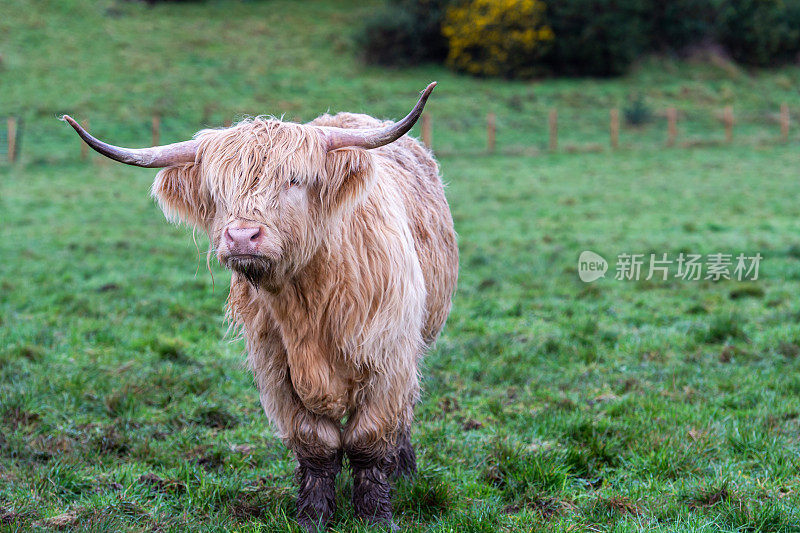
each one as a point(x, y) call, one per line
point(360, 262)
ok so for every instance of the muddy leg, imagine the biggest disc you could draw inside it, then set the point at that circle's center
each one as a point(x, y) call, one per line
point(371, 442)
point(315, 440)
point(316, 500)
point(405, 460)
point(371, 488)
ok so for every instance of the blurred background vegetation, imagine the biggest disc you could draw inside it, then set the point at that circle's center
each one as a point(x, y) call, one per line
point(526, 38)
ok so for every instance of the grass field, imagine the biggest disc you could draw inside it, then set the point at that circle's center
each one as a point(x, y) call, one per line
point(549, 404)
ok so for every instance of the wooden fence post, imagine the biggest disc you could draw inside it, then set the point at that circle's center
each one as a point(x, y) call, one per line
point(784, 123)
point(490, 132)
point(427, 133)
point(553, 130)
point(12, 139)
point(614, 128)
point(727, 117)
point(672, 126)
point(84, 146)
point(156, 130)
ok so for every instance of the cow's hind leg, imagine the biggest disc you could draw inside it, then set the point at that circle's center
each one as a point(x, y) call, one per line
point(405, 460)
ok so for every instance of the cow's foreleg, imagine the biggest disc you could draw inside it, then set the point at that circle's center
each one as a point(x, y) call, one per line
point(317, 468)
point(381, 422)
point(316, 443)
point(315, 439)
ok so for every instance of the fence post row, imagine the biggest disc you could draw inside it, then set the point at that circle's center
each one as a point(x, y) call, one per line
point(727, 117)
point(784, 122)
point(84, 146)
point(672, 126)
point(12, 138)
point(156, 130)
point(614, 128)
point(427, 133)
point(12, 125)
point(490, 132)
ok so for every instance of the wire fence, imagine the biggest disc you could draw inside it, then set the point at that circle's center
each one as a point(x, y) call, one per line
point(527, 133)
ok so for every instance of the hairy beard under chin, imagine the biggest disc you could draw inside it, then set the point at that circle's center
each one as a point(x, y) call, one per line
point(252, 269)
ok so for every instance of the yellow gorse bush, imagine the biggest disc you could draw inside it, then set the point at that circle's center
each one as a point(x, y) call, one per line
point(497, 37)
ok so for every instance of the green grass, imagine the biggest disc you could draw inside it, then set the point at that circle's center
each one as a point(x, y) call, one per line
point(549, 404)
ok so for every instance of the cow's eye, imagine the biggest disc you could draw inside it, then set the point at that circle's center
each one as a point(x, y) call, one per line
point(294, 181)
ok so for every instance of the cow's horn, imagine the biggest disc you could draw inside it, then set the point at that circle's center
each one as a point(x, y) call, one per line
point(155, 157)
point(374, 138)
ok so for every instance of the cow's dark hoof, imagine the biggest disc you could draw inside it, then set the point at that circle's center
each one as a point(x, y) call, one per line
point(316, 500)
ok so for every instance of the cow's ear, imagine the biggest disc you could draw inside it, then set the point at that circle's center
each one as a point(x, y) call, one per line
point(179, 192)
point(349, 176)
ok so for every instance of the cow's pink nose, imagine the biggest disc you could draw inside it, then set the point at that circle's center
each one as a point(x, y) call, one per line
point(243, 240)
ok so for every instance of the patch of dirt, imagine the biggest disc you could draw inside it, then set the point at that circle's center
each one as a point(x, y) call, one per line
point(216, 418)
point(48, 446)
point(8, 516)
point(110, 440)
point(487, 284)
point(696, 434)
point(16, 417)
point(545, 507)
point(257, 500)
point(448, 404)
point(789, 350)
point(471, 424)
point(31, 352)
point(207, 458)
point(103, 486)
point(602, 398)
point(726, 354)
point(623, 505)
point(62, 521)
point(244, 449)
point(159, 484)
point(710, 498)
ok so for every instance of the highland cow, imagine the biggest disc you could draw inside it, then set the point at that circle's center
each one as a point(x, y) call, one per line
point(343, 260)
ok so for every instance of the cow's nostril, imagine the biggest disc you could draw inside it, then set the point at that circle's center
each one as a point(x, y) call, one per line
point(243, 240)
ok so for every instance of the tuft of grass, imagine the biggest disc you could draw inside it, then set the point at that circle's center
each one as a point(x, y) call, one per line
point(747, 290)
point(722, 327)
point(522, 476)
point(171, 349)
point(261, 502)
point(215, 417)
point(710, 497)
point(158, 484)
point(427, 496)
point(790, 350)
point(757, 516)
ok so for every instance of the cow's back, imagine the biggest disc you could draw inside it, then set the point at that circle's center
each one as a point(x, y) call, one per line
point(416, 176)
